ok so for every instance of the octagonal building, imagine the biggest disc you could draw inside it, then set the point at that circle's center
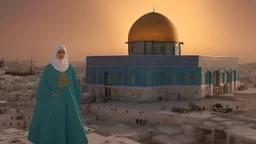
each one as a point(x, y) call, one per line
point(154, 68)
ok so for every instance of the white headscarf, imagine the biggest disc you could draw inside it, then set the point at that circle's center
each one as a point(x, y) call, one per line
point(60, 65)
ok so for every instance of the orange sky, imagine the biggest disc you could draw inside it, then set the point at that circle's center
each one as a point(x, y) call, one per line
point(32, 28)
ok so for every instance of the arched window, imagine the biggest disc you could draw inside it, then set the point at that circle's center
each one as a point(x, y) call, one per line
point(208, 78)
point(223, 77)
point(227, 76)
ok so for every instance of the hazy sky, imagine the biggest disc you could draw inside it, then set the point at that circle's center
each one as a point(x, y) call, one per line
point(32, 28)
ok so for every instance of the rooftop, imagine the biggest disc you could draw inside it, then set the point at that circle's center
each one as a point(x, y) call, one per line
point(245, 133)
point(114, 139)
point(248, 91)
point(168, 104)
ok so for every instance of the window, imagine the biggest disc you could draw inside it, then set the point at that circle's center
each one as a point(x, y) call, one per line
point(203, 79)
point(223, 78)
point(142, 78)
point(182, 77)
point(115, 78)
point(132, 79)
point(208, 78)
point(149, 80)
point(230, 77)
point(95, 77)
point(155, 49)
point(89, 77)
point(132, 49)
point(154, 82)
point(163, 77)
point(187, 78)
point(162, 49)
point(214, 77)
point(195, 77)
point(121, 78)
point(227, 77)
point(174, 79)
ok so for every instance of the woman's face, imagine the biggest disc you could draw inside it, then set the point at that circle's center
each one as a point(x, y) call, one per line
point(60, 54)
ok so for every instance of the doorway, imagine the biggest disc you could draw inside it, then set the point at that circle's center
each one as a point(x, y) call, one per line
point(108, 92)
point(107, 86)
point(216, 82)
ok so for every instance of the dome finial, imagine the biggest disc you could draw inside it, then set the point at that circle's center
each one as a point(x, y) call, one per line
point(154, 7)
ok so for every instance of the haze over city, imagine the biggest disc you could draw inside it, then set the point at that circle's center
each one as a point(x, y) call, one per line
point(186, 75)
point(31, 29)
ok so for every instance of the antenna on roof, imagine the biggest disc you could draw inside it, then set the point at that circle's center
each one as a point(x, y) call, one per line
point(154, 7)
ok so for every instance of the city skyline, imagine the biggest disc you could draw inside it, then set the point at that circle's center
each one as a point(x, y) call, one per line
point(31, 29)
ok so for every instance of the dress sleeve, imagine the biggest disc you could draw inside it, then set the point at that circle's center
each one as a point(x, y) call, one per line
point(76, 86)
point(43, 89)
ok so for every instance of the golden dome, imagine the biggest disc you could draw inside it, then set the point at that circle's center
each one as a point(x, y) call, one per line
point(153, 27)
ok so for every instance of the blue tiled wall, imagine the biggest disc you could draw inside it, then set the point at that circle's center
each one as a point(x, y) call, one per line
point(147, 70)
point(144, 77)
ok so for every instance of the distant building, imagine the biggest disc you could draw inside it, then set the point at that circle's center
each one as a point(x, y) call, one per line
point(2, 63)
point(155, 69)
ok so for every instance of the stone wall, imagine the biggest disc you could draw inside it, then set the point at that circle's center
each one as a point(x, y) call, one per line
point(209, 89)
point(147, 94)
point(218, 62)
point(28, 114)
point(14, 120)
point(155, 118)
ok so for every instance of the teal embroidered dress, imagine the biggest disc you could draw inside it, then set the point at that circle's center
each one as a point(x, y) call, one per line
point(57, 118)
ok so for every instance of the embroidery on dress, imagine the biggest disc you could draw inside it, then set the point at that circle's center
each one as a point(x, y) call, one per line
point(63, 80)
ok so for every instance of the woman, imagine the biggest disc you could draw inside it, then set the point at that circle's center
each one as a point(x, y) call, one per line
point(56, 117)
